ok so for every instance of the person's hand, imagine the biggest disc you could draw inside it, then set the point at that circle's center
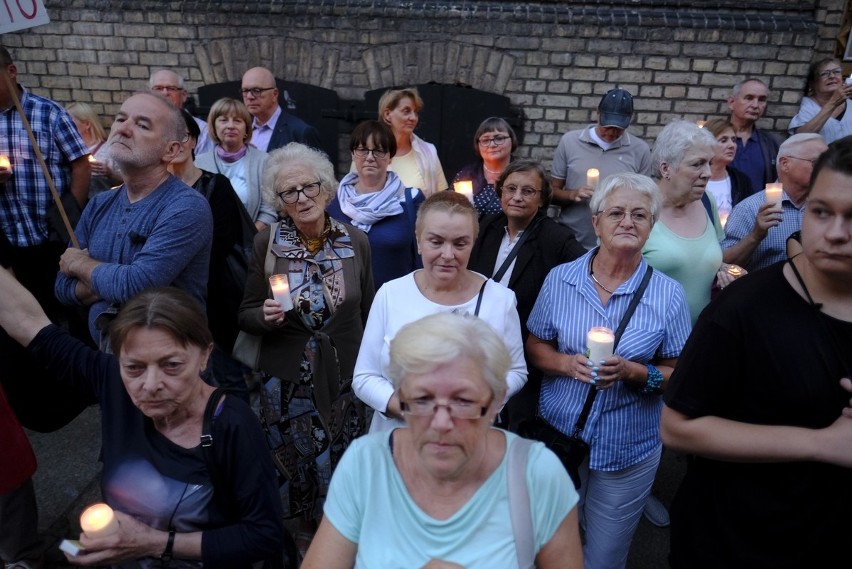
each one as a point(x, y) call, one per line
point(5, 174)
point(273, 312)
point(584, 193)
point(70, 260)
point(836, 439)
point(768, 216)
point(133, 540)
point(839, 96)
point(724, 276)
point(613, 369)
point(846, 383)
point(579, 367)
point(441, 564)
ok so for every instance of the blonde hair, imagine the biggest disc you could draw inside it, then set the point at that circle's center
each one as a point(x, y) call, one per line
point(448, 202)
point(85, 113)
point(227, 107)
point(391, 98)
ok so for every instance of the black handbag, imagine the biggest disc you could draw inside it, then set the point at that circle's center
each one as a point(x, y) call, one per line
point(571, 449)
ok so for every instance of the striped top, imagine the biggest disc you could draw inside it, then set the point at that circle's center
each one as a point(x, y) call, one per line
point(623, 427)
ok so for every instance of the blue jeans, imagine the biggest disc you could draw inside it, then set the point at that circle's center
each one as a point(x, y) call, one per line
point(611, 505)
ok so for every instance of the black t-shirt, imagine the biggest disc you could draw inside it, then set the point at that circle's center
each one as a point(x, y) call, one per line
point(761, 354)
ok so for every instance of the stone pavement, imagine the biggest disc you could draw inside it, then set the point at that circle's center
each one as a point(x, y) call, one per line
point(67, 481)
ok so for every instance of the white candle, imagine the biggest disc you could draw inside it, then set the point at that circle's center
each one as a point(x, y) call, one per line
point(599, 344)
point(98, 520)
point(773, 192)
point(700, 124)
point(281, 291)
point(464, 187)
point(92, 158)
point(4, 161)
point(849, 80)
point(723, 218)
point(592, 177)
point(734, 270)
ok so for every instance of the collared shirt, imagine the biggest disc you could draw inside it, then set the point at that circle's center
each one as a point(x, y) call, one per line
point(26, 195)
point(506, 246)
point(623, 425)
point(262, 133)
point(749, 160)
point(773, 248)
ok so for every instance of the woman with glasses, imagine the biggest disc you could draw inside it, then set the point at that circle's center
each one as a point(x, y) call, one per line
point(517, 248)
point(229, 124)
point(622, 391)
point(376, 201)
point(446, 231)
point(415, 161)
point(494, 142)
point(684, 243)
point(824, 109)
point(438, 491)
point(308, 351)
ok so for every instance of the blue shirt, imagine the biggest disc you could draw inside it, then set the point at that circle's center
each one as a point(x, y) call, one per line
point(25, 197)
point(749, 161)
point(773, 248)
point(623, 427)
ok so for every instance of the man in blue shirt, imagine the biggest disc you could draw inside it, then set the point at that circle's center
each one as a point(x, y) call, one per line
point(152, 231)
point(756, 149)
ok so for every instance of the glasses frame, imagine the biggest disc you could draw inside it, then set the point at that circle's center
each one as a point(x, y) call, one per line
point(609, 214)
point(494, 141)
point(405, 407)
point(829, 72)
point(377, 153)
point(811, 160)
point(303, 190)
point(256, 91)
point(167, 89)
point(525, 191)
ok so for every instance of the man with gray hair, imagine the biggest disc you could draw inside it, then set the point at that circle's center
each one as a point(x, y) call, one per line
point(152, 231)
point(757, 230)
point(756, 149)
point(170, 84)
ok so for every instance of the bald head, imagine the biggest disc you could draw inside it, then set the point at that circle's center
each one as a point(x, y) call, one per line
point(169, 84)
point(259, 93)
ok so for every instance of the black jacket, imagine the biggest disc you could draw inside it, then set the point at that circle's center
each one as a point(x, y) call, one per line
point(291, 128)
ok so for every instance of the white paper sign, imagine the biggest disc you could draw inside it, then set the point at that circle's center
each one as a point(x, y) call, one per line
point(21, 14)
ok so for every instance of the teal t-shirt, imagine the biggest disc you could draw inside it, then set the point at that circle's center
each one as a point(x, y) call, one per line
point(369, 504)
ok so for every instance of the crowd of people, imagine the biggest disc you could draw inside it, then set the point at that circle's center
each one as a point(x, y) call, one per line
point(386, 344)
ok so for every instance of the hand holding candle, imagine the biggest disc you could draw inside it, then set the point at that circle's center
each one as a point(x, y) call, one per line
point(600, 342)
point(593, 176)
point(98, 520)
point(281, 291)
point(464, 187)
point(5, 168)
point(773, 192)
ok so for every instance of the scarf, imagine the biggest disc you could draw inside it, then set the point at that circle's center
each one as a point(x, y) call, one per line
point(366, 209)
point(231, 157)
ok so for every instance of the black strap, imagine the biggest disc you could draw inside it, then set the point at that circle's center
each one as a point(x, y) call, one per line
point(479, 297)
point(514, 252)
point(631, 308)
point(220, 492)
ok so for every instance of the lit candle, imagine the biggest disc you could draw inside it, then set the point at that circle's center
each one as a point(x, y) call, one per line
point(98, 520)
point(592, 177)
point(700, 124)
point(773, 192)
point(464, 187)
point(734, 270)
point(599, 344)
point(4, 161)
point(723, 218)
point(849, 80)
point(281, 291)
point(92, 158)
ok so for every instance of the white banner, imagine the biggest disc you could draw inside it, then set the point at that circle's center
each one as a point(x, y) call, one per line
point(21, 14)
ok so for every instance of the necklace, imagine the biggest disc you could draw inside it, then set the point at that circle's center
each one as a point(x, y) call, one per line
point(490, 171)
point(599, 283)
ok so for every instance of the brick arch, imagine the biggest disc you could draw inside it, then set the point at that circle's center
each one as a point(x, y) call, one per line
point(290, 59)
point(412, 63)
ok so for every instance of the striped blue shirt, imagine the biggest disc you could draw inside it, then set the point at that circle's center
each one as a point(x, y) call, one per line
point(623, 427)
point(773, 248)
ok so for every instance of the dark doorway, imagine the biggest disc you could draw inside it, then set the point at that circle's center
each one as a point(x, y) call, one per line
point(451, 114)
point(312, 104)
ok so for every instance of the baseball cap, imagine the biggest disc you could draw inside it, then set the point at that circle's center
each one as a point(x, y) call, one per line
point(616, 108)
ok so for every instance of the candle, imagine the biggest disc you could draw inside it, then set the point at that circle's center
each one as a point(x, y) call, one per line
point(281, 291)
point(592, 177)
point(700, 124)
point(4, 161)
point(92, 158)
point(734, 270)
point(599, 344)
point(773, 192)
point(723, 218)
point(464, 187)
point(98, 520)
point(849, 80)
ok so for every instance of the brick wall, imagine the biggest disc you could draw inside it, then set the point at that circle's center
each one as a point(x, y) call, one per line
point(553, 59)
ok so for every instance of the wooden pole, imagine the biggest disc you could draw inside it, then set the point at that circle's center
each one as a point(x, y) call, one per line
point(13, 89)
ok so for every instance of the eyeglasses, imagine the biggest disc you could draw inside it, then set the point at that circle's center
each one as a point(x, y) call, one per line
point(494, 141)
point(291, 195)
point(377, 154)
point(526, 191)
point(617, 214)
point(255, 91)
point(829, 72)
point(457, 409)
point(166, 89)
point(811, 160)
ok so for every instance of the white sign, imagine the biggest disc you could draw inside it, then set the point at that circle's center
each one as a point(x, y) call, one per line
point(21, 14)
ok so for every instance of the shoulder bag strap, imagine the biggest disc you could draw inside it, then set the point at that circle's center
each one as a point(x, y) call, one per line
point(631, 308)
point(269, 264)
point(408, 206)
point(520, 512)
point(219, 491)
point(479, 297)
point(514, 252)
